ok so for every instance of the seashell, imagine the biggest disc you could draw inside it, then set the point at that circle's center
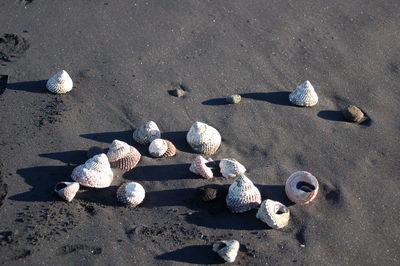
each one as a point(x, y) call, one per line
point(243, 195)
point(301, 187)
point(199, 167)
point(203, 138)
point(304, 95)
point(178, 92)
point(273, 213)
point(123, 156)
point(60, 83)
point(162, 148)
point(232, 99)
point(353, 114)
point(231, 168)
point(67, 190)
point(131, 194)
point(146, 133)
point(227, 249)
point(96, 172)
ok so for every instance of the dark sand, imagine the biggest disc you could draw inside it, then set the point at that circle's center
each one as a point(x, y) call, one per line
point(124, 56)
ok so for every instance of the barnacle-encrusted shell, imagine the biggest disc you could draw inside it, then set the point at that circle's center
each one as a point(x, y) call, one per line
point(130, 194)
point(123, 156)
point(199, 167)
point(353, 114)
point(273, 213)
point(60, 83)
point(66, 190)
point(203, 138)
point(231, 168)
point(304, 95)
point(227, 249)
point(162, 148)
point(301, 187)
point(243, 195)
point(96, 172)
point(146, 133)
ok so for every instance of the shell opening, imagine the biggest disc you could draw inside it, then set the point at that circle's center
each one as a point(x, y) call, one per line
point(221, 245)
point(281, 210)
point(60, 186)
point(306, 187)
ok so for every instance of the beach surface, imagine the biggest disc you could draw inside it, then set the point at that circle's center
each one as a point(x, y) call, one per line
point(126, 56)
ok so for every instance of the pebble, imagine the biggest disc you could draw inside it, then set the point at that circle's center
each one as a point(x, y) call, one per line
point(178, 92)
point(233, 99)
point(353, 114)
point(208, 194)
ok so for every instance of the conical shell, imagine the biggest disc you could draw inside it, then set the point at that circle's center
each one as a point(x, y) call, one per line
point(304, 95)
point(273, 213)
point(146, 133)
point(243, 195)
point(203, 138)
point(231, 168)
point(123, 156)
point(60, 83)
point(162, 148)
point(96, 172)
point(67, 190)
point(301, 187)
point(227, 249)
point(131, 194)
point(199, 167)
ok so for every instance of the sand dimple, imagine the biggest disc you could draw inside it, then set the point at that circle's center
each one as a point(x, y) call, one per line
point(12, 46)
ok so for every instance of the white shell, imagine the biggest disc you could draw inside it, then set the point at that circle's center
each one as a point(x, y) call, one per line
point(301, 187)
point(231, 168)
point(199, 167)
point(243, 195)
point(203, 138)
point(131, 194)
point(146, 133)
point(162, 148)
point(227, 249)
point(96, 172)
point(60, 83)
point(67, 191)
point(304, 95)
point(123, 156)
point(273, 213)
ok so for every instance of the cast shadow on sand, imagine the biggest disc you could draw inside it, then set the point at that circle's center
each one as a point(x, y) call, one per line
point(108, 137)
point(161, 172)
point(103, 196)
point(29, 86)
point(70, 157)
point(279, 98)
point(332, 115)
point(195, 254)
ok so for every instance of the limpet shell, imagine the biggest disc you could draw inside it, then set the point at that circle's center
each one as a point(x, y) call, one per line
point(66, 190)
point(162, 148)
point(131, 194)
point(146, 133)
point(273, 213)
point(123, 156)
point(60, 83)
point(304, 95)
point(227, 249)
point(231, 168)
point(199, 167)
point(203, 138)
point(96, 172)
point(243, 195)
point(301, 187)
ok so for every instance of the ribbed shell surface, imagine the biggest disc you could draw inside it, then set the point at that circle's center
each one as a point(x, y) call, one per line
point(162, 148)
point(123, 156)
point(231, 168)
point(69, 191)
point(304, 95)
point(203, 138)
point(146, 133)
point(60, 83)
point(242, 195)
point(199, 167)
point(273, 213)
point(227, 249)
point(131, 194)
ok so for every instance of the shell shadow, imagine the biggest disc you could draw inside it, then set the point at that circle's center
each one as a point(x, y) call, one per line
point(178, 138)
point(274, 192)
point(71, 157)
point(108, 137)
point(29, 86)
point(42, 180)
point(338, 116)
point(3, 83)
point(195, 254)
point(215, 101)
point(103, 196)
point(171, 197)
point(279, 97)
point(161, 172)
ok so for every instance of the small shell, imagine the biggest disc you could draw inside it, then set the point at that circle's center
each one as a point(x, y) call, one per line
point(146, 133)
point(227, 249)
point(66, 190)
point(232, 99)
point(231, 168)
point(96, 172)
point(353, 114)
point(304, 95)
point(199, 167)
point(162, 148)
point(273, 213)
point(203, 138)
point(243, 195)
point(123, 156)
point(301, 187)
point(60, 83)
point(131, 194)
